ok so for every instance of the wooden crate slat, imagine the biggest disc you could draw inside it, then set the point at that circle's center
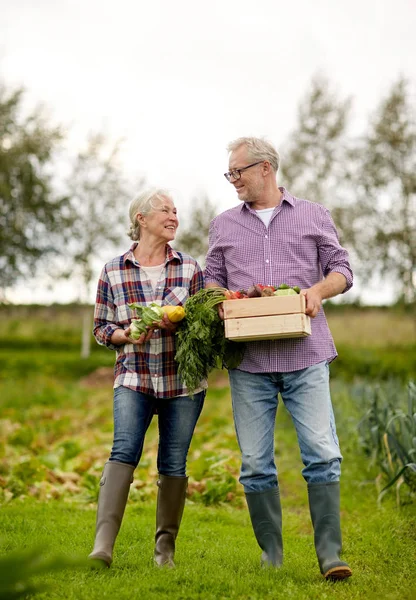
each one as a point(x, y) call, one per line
point(272, 305)
point(267, 327)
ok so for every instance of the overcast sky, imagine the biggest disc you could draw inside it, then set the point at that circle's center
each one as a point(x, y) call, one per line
point(179, 79)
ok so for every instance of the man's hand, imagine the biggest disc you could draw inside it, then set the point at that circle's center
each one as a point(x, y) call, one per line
point(220, 308)
point(313, 301)
point(331, 286)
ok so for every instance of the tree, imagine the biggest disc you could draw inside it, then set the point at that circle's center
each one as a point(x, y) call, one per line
point(98, 197)
point(385, 216)
point(29, 210)
point(320, 160)
point(193, 238)
point(315, 157)
point(97, 218)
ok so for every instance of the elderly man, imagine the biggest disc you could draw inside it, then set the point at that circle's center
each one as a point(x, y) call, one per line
point(272, 237)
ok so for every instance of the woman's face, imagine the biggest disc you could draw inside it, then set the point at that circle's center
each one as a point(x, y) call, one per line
point(162, 221)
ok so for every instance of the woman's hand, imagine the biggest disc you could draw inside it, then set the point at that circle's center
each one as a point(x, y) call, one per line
point(166, 324)
point(142, 339)
point(122, 336)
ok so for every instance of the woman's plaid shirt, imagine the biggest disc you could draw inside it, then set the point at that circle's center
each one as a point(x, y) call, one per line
point(149, 368)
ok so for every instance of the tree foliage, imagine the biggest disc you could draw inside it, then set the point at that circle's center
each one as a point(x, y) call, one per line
point(385, 215)
point(98, 197)
point(315, 157)
point(369, 183)
point(29, 209)
point(193, 236)
point(98, 205)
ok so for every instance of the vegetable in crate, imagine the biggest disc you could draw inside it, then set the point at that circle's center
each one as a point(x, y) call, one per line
point(286, 290)
point(201, 345)
point(151, 315)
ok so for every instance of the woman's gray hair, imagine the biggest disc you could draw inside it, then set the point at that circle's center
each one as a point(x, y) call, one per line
point(143, 203)
point(258, 149)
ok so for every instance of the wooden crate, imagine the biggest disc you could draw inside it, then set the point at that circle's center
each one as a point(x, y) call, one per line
point(269, 318)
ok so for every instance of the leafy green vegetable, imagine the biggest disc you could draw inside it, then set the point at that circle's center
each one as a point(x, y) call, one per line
point(148, 315)
point(200, 342)
point(286, 290)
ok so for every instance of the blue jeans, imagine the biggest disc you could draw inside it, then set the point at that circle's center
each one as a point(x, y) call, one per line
point(306, 395)
point(177, 417)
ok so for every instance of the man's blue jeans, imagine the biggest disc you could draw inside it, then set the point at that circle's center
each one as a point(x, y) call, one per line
point(306, 395)
point(177, 417)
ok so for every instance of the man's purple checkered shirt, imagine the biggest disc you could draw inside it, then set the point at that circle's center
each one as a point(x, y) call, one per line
point(299, 247)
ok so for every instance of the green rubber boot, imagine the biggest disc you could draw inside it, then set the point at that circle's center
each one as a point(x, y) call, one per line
point(170, 504)
point(114, 490)
point(266, 518)
point(325, 514)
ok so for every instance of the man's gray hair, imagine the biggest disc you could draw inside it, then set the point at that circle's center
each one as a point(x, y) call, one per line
point(143, 203)
point(258, 149)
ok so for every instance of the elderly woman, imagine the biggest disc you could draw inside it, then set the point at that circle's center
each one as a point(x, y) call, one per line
point(146, 380)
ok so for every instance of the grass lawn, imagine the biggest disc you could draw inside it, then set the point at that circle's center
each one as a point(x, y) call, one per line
point(217, 556)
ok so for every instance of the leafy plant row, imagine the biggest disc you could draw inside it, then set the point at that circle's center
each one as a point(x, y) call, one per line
point(388, 436)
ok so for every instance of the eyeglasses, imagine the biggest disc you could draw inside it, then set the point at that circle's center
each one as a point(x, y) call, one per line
point(236, 173)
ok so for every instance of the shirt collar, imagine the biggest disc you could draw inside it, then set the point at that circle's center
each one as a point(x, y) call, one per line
point(171, 254)
point(285, 198)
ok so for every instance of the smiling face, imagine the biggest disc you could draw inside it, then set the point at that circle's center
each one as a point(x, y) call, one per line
point(161, 222)
point(251, 184)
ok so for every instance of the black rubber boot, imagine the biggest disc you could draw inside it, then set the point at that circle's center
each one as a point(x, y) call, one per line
point(170, 505)
point(325, 514)
point(114, 490)
point(266, 518)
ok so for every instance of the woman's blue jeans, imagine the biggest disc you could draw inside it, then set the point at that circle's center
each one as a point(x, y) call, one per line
point(177, 417)
point(306, 395)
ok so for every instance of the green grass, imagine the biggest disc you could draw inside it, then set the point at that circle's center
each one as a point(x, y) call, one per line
point(56, 433)
point(217, 556)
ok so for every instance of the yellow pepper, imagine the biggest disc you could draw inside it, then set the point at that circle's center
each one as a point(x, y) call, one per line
point(175, 313)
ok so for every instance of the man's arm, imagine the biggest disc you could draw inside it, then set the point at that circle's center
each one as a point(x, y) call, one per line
point(334, 284)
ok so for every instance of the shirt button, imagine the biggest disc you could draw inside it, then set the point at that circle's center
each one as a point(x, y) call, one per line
point(266, 236)
point(267, 260)
point(155, 374)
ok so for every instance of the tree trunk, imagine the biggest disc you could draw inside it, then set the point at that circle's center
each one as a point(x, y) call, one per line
point(86, 333)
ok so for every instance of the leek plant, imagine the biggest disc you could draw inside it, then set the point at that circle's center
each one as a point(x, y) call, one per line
point(388, 434)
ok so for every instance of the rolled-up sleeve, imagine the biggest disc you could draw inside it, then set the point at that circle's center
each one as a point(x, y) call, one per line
point(215, 270)
point(104, 312)
point(333, 257)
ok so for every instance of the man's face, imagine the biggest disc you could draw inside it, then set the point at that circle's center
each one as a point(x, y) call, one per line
point(250, 184)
